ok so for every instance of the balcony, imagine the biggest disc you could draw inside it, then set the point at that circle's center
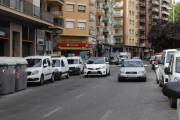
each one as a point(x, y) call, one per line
point(165, 12)
point(164, 18)
point(153, 23)
point(92, 32)
point(100, 1)
point(142, 45)
point(106, 30)
point(55, 3)
point(142, 28)
point(142, 37)
point(155, 17)
point(105, 18)
point(105, 6)
point(118, 42)
point(166, 1)
point(107, 41)
point(101, 12)
point(57, 13)
point(100, 37)
point(26, 11)
point(118, 14)
point(118, 34)
point(91, 17)
point(154, 2)
point(155, 10)
point(91, 2)
point(165, 6)
point(58, 24)
point(118, 25)
point(118, 6)
point(142, 12)
point(142, 4)
point(99, 24)
point(142, 20)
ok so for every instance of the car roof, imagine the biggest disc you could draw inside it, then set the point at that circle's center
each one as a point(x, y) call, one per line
point(133, 60)
point(170, 50)
point(75, 57)
point(37, 57)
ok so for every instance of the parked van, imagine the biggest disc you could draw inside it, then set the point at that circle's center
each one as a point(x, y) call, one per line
point(39, 69)
point(61, 67)
point(75, 65)
point(164, 62)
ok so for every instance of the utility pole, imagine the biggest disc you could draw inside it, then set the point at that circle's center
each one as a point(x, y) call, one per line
point(173, 9)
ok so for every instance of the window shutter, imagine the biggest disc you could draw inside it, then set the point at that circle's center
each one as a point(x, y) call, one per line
point(81, 25)
point(69, 24)
point(80, 7)
point(69, 7)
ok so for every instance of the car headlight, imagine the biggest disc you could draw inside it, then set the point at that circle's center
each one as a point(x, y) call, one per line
point(103, 67)
point(122, 72)
point(139, 72)
point(177, 79)
point(77, 67)
point(35, 72)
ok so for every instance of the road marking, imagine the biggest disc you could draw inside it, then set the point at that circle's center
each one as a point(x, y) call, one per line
point(52, 112)
point(79, 95)
point(95, 86)
point(2, 111)
point(173, 110)
point(106, 115)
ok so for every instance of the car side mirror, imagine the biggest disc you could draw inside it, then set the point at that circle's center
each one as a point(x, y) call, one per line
point(145, 65)
point(45, 65)
point(167, 70)
point(172, 89)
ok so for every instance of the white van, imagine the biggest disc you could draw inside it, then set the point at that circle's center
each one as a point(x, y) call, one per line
point(75, 65)
point(39, 69)
point(164, 62)
point(61, 67)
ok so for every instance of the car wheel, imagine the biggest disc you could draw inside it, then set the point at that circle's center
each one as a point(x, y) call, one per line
point(144, 80)
point(79, 71)
point(160, 84)
point(119, 80)
point(67, 76)
point(41, 81)
point(109, 72)
point(85, 76)
point(60, 76)
point(172, 103)
point(157, 80)
point(52, 78)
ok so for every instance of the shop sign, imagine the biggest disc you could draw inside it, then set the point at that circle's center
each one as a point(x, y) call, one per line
point(91, 51)
point(135, 49)
point(146, 50)
point(4, 32)
point(75, 45)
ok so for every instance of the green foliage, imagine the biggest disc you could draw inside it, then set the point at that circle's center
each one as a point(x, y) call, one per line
point(176, 11)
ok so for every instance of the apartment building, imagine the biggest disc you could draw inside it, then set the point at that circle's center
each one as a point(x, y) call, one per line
point(25, 26)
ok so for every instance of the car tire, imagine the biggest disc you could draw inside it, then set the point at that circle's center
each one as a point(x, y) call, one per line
point(144, 80)
point(67, 76)
point(52, 78)
point(160, 84)
point(85, 76)
point(119, 80)
point(172, 103)
point(79, 73)
point(41, 81)
point(109, 72)
point(60, 76)
point(157, 80)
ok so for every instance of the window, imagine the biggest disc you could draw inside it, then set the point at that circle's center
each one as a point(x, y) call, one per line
point(130, 12)
point(136, 24)
point(129, 21)
point(129, 31)
point(130, 3)
point(133, 22)
point(81, 8)
point(116, 30)
point(62, 63)
point(136, 6)
point(49, 63)
point(118, 22)
point(44, 61)
point(133, 13)
point(133, 4)
point(70, 24)
point(81, 25)
point(69, 7)
point(136, 16)
point(132, 31)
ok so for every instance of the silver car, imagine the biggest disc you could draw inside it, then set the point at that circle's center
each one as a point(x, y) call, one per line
point(132, 69)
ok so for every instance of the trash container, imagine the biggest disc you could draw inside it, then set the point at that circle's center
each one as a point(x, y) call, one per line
point(21, 73)
point(7, 75)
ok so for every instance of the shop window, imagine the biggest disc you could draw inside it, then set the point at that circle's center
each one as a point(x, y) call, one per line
point(31, 34)
point(25, 33)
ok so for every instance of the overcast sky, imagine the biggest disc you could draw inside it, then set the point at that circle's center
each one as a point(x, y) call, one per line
point(177, 0)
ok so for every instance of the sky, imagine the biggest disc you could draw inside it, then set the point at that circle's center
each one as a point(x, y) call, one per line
point(177, 0)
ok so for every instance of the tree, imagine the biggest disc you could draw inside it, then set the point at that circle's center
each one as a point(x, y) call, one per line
point(176, 11)
point(164, 35)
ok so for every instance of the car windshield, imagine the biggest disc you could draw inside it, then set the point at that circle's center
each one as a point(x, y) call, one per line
point(178, 64)
point(123, 56)
point(56, 63)
point(157, 57)
point(135, 58)
point(34, 62)
point(113, 58)
point(168, 57)
point(132, 64)
point(72, 61)
point(96, 61)
point(152, 57)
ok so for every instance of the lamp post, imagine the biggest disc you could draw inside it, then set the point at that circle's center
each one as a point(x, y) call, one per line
point(173, 9)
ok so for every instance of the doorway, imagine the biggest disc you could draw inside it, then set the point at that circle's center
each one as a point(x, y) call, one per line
point(16, 44)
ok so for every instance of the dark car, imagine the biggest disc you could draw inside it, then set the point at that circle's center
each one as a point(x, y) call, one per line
point(136, 58)
point(114, 60)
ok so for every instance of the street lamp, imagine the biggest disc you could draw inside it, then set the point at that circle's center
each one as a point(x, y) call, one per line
point(173, 9)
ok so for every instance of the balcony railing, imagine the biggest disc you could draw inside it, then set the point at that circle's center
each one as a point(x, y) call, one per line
point(92, 32)
point(155, 2)
point(106, 29)
point(101, 11)
point(106, 18)
point(118, 14)
point(167, 19)
point(118, 42)
point(166, 1)
point(93, 1)
point(155, 17)
point(165, 12)
point(92, 16)
point(100, 24)
point(106, 6)
point(142, 20)
point(28, 8)
point(119, 33)
point(142, 12)
point(142, 45)
point(142, 37)
point(100, 37)
point(155, 10)
point(59, 22)
point(118, 25)
point(141, 27)
point(166, 6)
point(57, 13)
point(143, 4)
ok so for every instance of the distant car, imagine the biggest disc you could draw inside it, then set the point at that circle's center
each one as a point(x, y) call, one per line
point(132, 69)
point(154, 62)
point(97, 66)
point(151, 59)
point(114, 60)
point(84, 62)
point(148, 59)
point(157, 72)
point(136, 58)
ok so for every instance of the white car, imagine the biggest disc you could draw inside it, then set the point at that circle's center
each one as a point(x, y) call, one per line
point(75, 65)
point(164, 62)
point(97, 66)
point(39, 69)
point(61, 67)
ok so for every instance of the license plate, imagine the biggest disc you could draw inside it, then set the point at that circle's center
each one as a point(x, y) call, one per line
point(131, 76)
point(93, 71)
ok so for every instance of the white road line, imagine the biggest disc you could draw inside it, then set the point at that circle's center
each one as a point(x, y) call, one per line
point(95, 86)
point(79, 95)
point(52, 112)
point(106, 115)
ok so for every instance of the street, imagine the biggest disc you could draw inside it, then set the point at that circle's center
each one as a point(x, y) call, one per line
point(92, 98)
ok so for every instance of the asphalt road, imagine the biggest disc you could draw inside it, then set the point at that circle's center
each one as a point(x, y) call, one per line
point(93, 98)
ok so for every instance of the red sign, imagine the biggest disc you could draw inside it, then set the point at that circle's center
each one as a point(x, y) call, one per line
point(4, 72)
point(17, 74)
point(135, 49)
point(91, 51)
point(146, 50)
point(74, 44)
